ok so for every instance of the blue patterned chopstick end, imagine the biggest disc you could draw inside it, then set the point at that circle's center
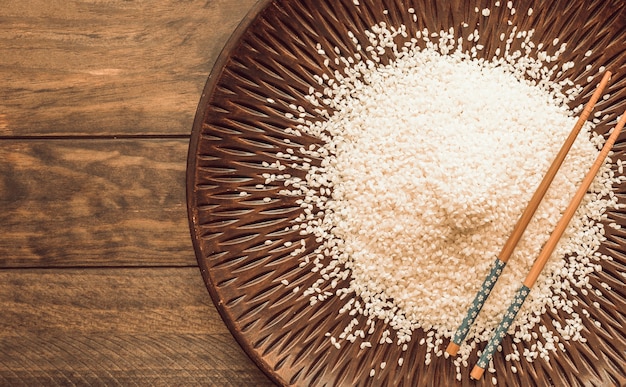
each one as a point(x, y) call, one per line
point(501, 330)
point(479, 301)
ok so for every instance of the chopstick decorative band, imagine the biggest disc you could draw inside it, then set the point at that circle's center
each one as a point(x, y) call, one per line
point(479, 301)
point(500, 332)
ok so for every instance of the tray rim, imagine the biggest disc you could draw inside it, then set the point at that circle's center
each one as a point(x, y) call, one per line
point(214, 76)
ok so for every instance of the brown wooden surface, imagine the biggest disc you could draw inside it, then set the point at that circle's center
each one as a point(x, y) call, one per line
point(98, 279)
point(119, 202)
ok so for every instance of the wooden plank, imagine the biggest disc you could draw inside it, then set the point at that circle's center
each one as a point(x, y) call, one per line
point(94, 203)
point(131, 301)
point(116, 327)
point(91, 67)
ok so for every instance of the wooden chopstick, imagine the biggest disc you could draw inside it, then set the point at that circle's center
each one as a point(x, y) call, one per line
point(522, 223)
point(545, 253)
point(534, 202)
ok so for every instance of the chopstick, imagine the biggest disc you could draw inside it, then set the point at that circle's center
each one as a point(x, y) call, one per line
point(522, 223)
point(545, 253)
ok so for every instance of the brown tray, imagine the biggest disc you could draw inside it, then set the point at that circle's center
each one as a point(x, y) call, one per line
point(272, 55)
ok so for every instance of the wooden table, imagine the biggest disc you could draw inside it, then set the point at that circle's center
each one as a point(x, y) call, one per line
point(98, 280)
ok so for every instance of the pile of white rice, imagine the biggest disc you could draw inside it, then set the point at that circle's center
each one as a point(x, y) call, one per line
point(427, 163)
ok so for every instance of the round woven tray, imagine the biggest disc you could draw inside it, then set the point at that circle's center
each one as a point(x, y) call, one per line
point(273, 55)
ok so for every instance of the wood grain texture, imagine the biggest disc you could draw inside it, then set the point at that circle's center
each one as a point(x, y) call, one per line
point(115, 327)
point(89, 67)
point(93, 203)
point(98, 280)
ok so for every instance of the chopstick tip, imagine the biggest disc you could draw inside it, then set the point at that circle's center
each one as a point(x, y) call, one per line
point(453, 349)
point(477, 373)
